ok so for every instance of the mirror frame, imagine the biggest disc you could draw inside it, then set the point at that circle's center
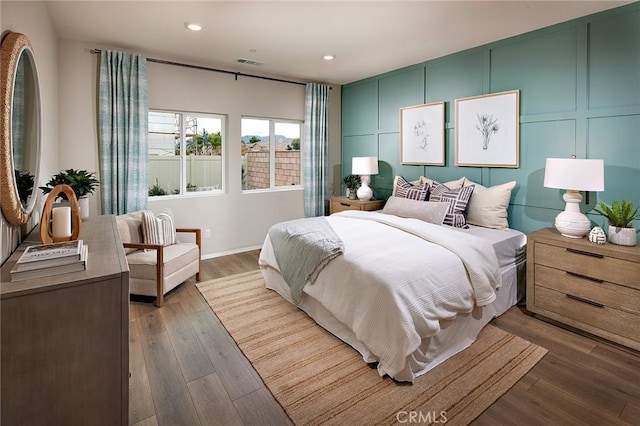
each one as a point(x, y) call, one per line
point(12, 47)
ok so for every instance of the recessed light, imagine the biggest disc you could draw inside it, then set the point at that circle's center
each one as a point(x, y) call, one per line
point(193, 26)
point(329, 57)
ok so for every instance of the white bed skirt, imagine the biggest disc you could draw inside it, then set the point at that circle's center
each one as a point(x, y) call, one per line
point(454, 336)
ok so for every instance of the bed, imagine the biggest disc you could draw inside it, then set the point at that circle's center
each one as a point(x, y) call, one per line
point(405, 293)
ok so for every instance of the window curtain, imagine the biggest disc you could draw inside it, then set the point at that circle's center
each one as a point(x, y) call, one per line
point(123, 136)
point(316, 142)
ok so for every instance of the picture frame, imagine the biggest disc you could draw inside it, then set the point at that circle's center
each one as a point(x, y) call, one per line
point(488, 130)
point(422, 134)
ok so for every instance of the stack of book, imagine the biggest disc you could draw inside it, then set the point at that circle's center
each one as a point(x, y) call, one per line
point(43, 260)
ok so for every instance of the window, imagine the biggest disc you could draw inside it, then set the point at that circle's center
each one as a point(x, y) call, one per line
point(270, 153)
point(185, 152)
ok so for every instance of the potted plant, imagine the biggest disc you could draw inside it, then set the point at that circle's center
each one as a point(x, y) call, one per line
point(352, 182)
point(24, 182)
point(620, 216)
point(82, 182)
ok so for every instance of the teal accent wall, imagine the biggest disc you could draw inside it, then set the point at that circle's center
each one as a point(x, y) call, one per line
point(579, 85)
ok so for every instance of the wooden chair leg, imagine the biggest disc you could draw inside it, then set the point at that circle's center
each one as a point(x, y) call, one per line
point(160, 277)
point(199, 243)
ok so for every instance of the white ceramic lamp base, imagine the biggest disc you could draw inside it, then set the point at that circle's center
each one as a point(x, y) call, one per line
point(364, 192)
point(572, 222)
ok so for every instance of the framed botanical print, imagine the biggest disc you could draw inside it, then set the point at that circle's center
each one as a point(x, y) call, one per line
point(488, 131)
point(422, 134)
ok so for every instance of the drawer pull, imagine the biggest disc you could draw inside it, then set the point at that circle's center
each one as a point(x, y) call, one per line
point(585, 253)
point(587, 301)
point(585, 277)
point(345, 204)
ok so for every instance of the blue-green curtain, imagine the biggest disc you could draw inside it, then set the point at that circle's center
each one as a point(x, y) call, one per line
point(316, 142)
point(123, 139)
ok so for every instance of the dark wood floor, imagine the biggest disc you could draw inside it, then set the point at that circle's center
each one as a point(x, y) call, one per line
point(186, 369)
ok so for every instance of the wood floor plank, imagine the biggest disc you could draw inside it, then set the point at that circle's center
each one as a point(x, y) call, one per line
point(151, 322)
point(170, 393)
point(212, 402)
point(538, 329)
point(259, 408)
point(149, 421)
point(631, 414)
point(579, 376)
point(140, 398)
point(235, 372)
point(191, 356)
point(191, 299)
point(557, 399)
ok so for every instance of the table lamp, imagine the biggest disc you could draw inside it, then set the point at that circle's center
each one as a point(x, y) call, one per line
point(364, 166)
point(573, 175)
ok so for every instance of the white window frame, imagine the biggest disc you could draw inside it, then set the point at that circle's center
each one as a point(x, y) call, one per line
point(272, 153)
point(183, 156)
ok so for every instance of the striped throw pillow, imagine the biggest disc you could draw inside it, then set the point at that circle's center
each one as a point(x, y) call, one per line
point(159, 229)
point(458, 200)
point(405, 189)
point(152, 229)
point(168, 227)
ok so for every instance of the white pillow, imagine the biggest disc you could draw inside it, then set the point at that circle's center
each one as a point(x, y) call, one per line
point(452, 184)
point(488, 206)
point(168, 226)
point(158, 230)
point(427, 211)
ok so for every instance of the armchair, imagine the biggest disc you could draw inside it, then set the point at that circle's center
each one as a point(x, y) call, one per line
point(155, 269)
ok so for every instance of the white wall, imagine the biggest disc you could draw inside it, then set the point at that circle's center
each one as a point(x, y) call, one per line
point(237, 221)
point(32, 19)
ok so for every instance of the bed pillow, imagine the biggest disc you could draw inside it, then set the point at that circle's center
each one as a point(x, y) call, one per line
point(427, 211)
point(488, 206)
point(452, 184)
point(458, 200)
point(413, 191)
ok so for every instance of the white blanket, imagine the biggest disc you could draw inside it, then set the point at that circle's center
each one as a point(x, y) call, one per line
point(396, 281)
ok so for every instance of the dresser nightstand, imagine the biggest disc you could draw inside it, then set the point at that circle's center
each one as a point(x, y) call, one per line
point(339, 204)
point(593, 288)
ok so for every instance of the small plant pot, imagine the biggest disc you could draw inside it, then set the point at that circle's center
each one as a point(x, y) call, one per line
point(622, 236)
point(83, 204)
point(352, 194)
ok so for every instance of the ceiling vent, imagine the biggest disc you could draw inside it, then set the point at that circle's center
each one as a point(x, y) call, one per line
point(249, 62)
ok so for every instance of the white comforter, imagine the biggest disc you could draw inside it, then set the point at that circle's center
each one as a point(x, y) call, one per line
point(398, 278)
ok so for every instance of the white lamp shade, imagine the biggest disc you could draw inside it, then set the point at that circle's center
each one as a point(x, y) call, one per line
point(574, 174)
point(364, 165)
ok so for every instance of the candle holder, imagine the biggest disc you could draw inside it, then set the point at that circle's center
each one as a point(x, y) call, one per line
point(45, 221)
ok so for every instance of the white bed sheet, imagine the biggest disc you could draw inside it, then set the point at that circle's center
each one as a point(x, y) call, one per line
point(510, 244)
point(456, 334)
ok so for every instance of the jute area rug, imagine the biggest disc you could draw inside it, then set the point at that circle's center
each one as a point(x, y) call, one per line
point(318, 379)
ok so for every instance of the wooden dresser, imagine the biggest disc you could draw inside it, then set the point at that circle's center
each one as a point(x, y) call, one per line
point(339, 204)
point(594, 288)
point(65, 338)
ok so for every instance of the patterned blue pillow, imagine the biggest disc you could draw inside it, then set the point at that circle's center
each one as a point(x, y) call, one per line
point(405, 189)
point(458, 200)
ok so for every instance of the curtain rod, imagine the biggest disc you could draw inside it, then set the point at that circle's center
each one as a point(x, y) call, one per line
point(199, 67)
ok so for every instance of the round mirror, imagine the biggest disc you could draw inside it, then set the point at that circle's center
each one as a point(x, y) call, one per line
point(20, 142)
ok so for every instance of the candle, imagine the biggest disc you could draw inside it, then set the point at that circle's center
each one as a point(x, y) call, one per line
point(61, 218)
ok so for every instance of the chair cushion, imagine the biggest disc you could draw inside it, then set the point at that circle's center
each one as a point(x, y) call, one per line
point(142, 264)
point(130, 229)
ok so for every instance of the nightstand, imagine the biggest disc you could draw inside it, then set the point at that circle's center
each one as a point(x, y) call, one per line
point(593, 288)
point(339, 204)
